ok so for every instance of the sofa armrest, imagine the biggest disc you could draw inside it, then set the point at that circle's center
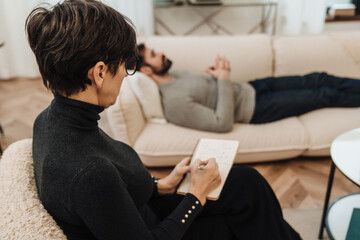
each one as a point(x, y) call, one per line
point(125, 117)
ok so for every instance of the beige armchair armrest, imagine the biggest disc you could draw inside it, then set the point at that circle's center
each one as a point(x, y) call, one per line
point(125, 117)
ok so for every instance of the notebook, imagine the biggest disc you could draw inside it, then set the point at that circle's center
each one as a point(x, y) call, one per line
point(224, 151)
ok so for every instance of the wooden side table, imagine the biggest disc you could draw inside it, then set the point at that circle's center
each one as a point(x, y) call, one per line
point(345, 155)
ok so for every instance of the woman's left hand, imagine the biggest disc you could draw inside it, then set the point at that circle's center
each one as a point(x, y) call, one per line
point(169, 184)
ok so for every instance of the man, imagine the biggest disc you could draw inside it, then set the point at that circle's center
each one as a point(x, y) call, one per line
point(213, 103)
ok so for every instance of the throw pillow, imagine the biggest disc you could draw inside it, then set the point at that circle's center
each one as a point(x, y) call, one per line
point(147, 92)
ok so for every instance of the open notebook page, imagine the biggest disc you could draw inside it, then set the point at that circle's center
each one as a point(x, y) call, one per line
point(224, 151)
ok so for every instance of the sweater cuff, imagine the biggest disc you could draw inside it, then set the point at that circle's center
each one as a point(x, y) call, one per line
point(186, 212)
point(178, 222)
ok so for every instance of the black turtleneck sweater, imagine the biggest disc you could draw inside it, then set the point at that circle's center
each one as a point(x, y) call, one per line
point(93, 186)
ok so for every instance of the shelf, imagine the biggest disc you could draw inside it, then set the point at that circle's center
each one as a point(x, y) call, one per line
point(223, 3)
point(343, 19)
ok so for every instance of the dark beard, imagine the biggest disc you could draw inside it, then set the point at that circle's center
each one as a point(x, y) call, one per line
point(165, 67)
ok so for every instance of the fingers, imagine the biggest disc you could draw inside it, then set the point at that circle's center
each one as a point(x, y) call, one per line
point(185, 161)
point(210, 69)
point(211, 162)
point(183, 166)
point(195, 166)
point(217, 61)
point(207, 164)
point(221, 62)
point(197, 163)
point(205, 179)
point(226, 64)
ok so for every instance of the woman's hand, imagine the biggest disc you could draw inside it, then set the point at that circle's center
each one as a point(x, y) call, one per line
point(205, 179)
point(169, 184)
point(221, 68)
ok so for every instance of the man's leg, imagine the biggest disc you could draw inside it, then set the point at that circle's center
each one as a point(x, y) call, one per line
point(309, 81)
point(277, 105)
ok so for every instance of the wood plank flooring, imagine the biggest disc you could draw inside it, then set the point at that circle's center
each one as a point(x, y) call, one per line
point(298, 183)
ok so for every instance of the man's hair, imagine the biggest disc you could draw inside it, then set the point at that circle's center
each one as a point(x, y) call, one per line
point(71, 37)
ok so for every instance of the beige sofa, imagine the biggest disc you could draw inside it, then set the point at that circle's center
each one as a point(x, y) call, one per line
point(251, 56)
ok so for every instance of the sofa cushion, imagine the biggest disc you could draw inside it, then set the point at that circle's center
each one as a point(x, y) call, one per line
point(147, 92)
point(348, 40)
point(272, 141)
point(125, 117)
point(324, 125)
point(298, 55)
point(253, 58)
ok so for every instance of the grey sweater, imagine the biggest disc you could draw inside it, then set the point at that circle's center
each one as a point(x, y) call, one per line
point(204, 103)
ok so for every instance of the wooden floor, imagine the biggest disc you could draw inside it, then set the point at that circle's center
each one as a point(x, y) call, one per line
point(298, 183)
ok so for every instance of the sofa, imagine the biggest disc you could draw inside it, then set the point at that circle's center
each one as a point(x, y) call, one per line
point(160, 143)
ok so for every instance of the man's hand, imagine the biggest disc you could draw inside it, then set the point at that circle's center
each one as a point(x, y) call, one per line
point(169, 184)
point(221, 68)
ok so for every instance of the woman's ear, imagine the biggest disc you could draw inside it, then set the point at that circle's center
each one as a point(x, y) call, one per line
point(146, 70)
point(97, 73)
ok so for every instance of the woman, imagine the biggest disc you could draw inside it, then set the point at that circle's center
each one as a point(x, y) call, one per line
point(96, 187)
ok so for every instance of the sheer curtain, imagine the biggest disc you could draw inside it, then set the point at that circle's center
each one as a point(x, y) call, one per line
point(141, 13)
point(16, 57)
point(300, 16)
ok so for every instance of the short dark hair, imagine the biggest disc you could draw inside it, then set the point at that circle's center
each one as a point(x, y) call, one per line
point(141, 58)
point(71, 37)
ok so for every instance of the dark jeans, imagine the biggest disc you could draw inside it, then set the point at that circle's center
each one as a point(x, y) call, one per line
point(278, 98)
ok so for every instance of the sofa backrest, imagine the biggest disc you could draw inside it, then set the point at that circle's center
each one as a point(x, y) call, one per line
point(250, 55)
point(336, 53)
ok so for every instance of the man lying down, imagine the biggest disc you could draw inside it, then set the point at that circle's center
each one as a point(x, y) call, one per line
point(213, 103)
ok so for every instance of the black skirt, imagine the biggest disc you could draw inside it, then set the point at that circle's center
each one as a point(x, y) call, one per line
point(247, 209)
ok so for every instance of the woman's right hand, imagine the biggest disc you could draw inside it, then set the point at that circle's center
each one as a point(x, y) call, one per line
point(204, 180)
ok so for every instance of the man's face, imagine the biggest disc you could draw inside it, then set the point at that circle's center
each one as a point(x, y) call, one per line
point(157, 61)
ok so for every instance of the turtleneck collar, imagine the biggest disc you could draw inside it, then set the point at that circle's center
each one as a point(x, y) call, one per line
point(76, 113)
